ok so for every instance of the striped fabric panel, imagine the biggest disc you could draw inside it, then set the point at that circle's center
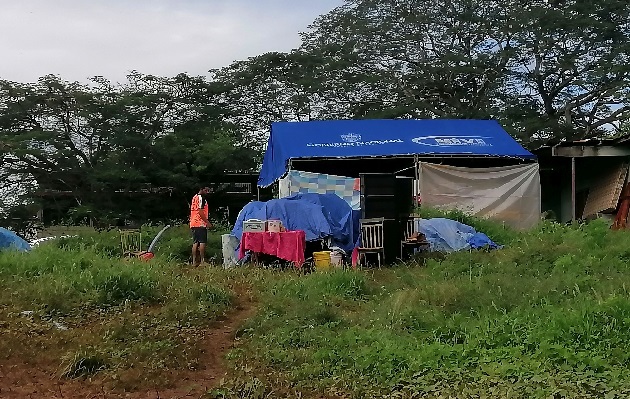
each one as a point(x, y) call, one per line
point(307, 182)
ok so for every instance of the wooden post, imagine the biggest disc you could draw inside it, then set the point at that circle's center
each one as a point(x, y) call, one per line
point(621, 219)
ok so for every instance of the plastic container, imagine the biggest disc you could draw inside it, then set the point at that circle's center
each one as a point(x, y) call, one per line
point(229, 243)
point(322, 260)
point(253, 225)
point(336, 259)
point(146, 256)
point(274, 226)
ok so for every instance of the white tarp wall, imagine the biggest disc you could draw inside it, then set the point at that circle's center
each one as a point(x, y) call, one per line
point(510, 193)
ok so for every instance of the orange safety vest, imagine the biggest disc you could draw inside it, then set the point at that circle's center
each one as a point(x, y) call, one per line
point(198, 203)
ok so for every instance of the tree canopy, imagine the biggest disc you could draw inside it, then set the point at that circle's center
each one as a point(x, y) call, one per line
point(547, 70)
point(93, 142)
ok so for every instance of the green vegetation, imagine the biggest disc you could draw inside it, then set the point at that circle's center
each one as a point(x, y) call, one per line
point(140, 148)
point(547, 316)
point(78, 299)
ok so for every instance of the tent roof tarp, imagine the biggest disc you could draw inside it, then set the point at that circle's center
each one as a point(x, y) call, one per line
point(380, 137)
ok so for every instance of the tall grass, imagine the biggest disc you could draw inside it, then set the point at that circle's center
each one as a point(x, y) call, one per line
point(173, 245)
point(101, 313)
point(498, 231)
point(547, 316)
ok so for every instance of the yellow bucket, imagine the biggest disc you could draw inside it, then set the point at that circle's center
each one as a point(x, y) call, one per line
point(322, 260)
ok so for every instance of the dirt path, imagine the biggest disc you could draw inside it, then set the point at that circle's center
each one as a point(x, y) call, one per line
point(217, 343)
point(23, 381)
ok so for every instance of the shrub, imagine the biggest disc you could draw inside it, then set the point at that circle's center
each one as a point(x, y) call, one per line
point(84, 363)
point(115, 289)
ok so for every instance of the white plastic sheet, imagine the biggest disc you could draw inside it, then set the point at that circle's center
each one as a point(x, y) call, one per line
point(510, 194)
point(229, 243)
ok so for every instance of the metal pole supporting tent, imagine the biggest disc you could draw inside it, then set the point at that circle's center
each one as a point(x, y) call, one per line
point(573, 201)
point(410, 156)
point(416, 178)
point(355, 159)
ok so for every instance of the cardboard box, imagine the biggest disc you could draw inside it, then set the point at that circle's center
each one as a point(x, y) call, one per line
point(274, 226)
point(253, 225)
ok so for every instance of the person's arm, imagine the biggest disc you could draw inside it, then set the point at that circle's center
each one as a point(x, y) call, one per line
point(203, 217)
point(200, 212)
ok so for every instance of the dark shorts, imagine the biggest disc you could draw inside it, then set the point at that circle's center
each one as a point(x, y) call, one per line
point(199, 235)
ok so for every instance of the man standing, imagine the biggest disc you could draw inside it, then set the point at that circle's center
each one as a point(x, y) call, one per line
point(199, 225)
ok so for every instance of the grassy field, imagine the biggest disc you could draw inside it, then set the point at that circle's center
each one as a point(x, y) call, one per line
point(78, 302)
point(548, 316)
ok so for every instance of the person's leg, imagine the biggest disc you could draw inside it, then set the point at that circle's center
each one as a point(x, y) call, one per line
point(203, 239)
point(202, 252)
point(195, 246)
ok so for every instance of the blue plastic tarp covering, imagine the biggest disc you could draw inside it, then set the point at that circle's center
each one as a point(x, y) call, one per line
point(10, 240)
point(480, 240)
point(319, 215)
point(446, 235)
point(378, 137)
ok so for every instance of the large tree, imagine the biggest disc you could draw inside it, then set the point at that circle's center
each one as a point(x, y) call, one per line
point(417, 58)
point(546, 70)
point(54, 132)
point(278, 86)
point(572, 75)
point(96, 142)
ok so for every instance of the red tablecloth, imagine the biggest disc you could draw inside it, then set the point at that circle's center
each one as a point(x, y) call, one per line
point(287, 245)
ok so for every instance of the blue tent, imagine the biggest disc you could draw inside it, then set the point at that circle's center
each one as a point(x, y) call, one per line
point(319, 215)
point(10, 240)
point(378, 138)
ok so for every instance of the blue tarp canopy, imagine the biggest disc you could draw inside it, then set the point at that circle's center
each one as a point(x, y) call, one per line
point(379, 137)
point(10, 240)
point(319, 215)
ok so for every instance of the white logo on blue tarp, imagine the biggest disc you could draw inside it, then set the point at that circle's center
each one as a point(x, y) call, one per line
point(354, 140)
point(445, 141)
point(351, 137)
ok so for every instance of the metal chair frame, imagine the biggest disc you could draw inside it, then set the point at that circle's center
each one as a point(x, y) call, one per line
point(409, 230)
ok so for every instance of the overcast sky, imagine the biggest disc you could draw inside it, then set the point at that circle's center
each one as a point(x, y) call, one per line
point(77, 39)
